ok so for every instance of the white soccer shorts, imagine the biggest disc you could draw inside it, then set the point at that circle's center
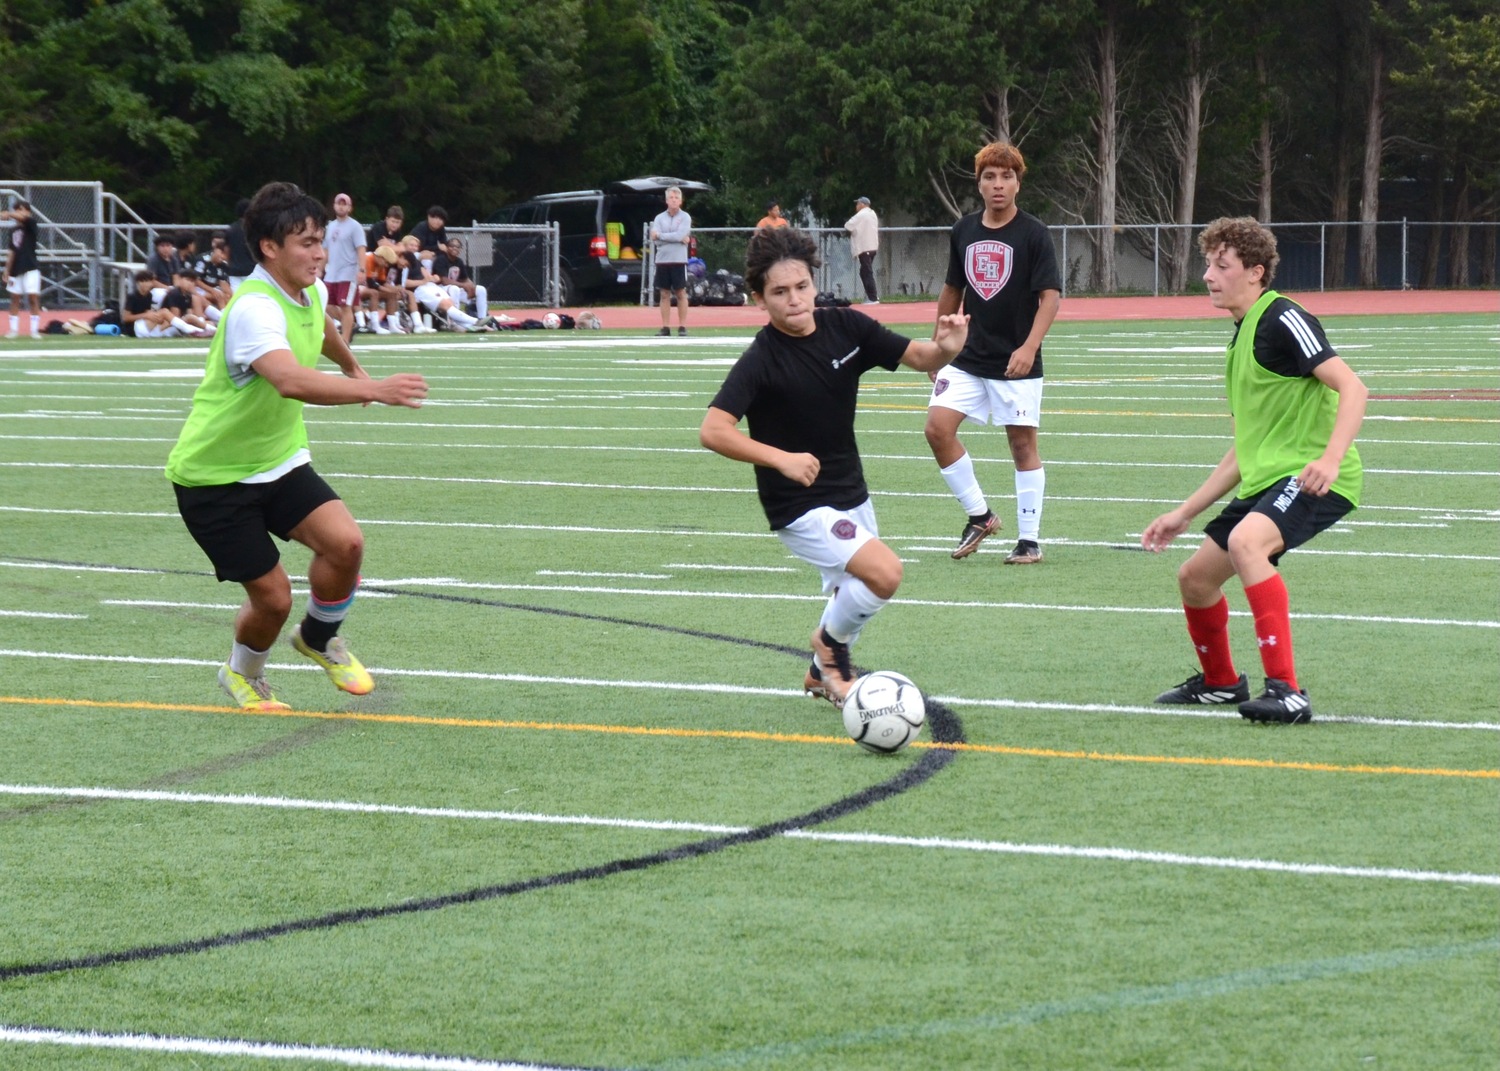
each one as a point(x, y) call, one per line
point(28, 282)
point(988, 401)
point(826, 538)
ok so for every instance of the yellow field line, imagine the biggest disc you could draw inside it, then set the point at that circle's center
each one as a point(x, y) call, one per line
point(743, 734)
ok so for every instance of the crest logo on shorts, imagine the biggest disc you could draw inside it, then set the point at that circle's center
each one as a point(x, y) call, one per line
point(938, 386)
point(987, 265)
point(843, 529)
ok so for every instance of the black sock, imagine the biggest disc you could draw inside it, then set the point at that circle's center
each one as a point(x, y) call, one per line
point(979, 520)
point(316, 634)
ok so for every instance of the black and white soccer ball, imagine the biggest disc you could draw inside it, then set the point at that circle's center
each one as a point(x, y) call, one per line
point(884, 711)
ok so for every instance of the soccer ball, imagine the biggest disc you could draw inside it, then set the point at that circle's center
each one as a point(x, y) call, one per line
point(552, 321)
point(884, 711)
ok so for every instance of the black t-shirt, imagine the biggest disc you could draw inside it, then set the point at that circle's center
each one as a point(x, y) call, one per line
point(176, 300)
point(23, 238)
point(447, 269)
point(241, 263)
point(1002, 271)
point(430, 239)
point(799, 395)
point(378, 231)
point(1289, 340)
point(410, 266)
point(137, 302)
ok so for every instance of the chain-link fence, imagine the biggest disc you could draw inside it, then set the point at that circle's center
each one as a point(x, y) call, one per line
point(1155, 259)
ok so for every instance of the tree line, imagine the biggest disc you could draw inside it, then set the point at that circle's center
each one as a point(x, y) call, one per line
point(1128, 111)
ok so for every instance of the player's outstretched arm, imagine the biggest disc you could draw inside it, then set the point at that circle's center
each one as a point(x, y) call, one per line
point(720, 433)
point(1224, 478)
point(291, 380)
point(948, 338)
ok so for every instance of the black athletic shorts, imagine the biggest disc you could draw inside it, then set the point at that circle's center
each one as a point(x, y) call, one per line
point(234, 522)
point(671, 277)
point(1297, 516)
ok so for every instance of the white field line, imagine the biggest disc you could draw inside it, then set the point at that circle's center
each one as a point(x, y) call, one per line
point(264, 1050)
point(43, 614)
point(1114, 854)
point(496, 481)
point(372, 586)
point(325, 440)
point(750, 690)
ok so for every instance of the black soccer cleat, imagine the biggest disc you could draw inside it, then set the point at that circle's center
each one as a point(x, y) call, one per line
point(1278, 703)
point(975, 534)
point(1026, 553)
point(1193, 690)
point(835, 674)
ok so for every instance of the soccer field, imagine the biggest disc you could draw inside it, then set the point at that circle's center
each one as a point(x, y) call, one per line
point(588, 819)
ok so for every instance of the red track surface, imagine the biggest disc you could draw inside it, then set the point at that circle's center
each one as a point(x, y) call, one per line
point(1329, 303)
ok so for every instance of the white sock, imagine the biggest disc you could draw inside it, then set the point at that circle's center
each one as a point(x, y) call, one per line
point(852, 605)
point(15, 324)
point(247, 661)
point(959, 477)
point(183, 326)
point(359, 318)
point(1029, 487)
point(36, 324)
point(213, 314)
point(458, 316)
point(481, 301)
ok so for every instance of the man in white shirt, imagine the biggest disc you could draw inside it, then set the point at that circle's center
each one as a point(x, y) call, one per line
point(864, 237)
point(344, 239)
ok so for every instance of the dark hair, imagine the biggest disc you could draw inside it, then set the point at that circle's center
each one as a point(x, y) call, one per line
point(769, 246)
point(439, 211)
point(279, 210)
point(240, 207)
point(169, 239)
point(395, 212)
point(143, 277)
point(219, 242)
point(1248, 237)
point(186, 238)
point(186, 273)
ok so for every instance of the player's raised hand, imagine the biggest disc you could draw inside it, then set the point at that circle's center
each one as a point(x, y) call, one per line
point(951, 333)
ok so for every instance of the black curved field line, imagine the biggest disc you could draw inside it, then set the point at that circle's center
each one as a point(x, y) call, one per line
point(946, 729)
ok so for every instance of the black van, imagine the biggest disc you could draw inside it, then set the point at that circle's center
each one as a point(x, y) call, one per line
point(600, 233)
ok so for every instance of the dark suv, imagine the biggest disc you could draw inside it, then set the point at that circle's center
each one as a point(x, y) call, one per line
point(600, 233)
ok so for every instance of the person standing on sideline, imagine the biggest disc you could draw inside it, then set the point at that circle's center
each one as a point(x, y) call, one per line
point(773, 216)
point(345, 274)
point(241, 263)
point(797, 385)
point(670, 230)
point(241, 469)
point(864, 239)
point(1002, 271)
point(23, 272)
point(1297, 408)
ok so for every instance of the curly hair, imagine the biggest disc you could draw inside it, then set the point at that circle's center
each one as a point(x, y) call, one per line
point(1248, 237)
point(1001, 154)
point(769, 246)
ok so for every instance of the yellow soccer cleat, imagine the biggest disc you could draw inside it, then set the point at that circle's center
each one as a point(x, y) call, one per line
point(346, 671)
point(251, 693)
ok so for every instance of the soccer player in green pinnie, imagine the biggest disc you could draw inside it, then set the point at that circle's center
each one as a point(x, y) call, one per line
point(1297, 408)
point(241, 468)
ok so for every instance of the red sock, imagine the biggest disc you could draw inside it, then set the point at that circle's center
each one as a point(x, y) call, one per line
point(1273, 627)
point(1208, 628)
